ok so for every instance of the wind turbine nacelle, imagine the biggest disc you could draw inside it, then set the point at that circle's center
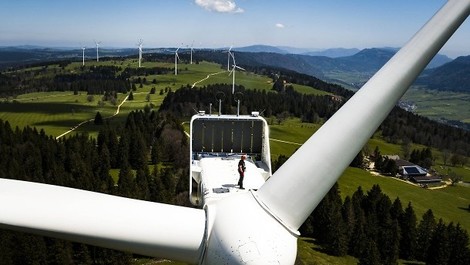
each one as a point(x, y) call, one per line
point(242, 232)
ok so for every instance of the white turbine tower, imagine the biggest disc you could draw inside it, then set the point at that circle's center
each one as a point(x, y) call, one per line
point(192, 44)
point(176, 61)
point(251, 227)
point(232, 72)
point(97, 43)
point(83, 55)
point(139, 44)
point(229, 54)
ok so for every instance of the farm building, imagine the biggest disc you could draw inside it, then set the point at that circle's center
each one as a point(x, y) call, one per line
point(415, 173)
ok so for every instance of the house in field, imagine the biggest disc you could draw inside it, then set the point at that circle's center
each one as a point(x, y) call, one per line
point(415, 173)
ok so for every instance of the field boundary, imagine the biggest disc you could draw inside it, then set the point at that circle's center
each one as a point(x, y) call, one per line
point(86, 121)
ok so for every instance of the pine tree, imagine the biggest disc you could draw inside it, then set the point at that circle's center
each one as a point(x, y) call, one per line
point(137, 150)
point(30, 249)
point(306, 229)
point(113, 147)
point(370, 255)
point(106, 181)
point(438, 252)
point(408, 234)
point(358, 236)
point(357, 242)
point(142, 184)
point(59, 252)
point(329, 227)
point(7, 246)
point(82, 254)
point(388, 232)
point(458, 245)
point(156, 187)
point(154, 153)
point(424, 234)
point(358, 161)
point(376, 154)
point(347, 212)
point(98, 119)
point(126, 184)
point(396, 212)
point(123, 151)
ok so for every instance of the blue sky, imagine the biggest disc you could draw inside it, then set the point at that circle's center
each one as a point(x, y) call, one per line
point(316, 24)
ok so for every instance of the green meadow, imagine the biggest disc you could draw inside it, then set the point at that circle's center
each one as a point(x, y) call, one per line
point(449, 203)
point(57, 112)
point(436, 104)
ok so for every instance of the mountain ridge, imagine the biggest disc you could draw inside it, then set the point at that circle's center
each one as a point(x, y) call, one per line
point(351, 71)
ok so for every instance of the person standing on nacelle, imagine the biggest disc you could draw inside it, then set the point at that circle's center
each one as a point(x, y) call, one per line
point(241, 171)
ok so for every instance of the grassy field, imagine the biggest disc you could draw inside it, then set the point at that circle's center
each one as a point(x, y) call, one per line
point(449, 203)
point(56, 112)
point(437, 104)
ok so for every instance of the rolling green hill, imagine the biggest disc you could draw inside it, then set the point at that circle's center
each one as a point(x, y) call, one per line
point(56, 112)
point(452, 76)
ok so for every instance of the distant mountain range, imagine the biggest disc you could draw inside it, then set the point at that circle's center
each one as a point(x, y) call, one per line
point(332, 53)
point(452, 76)
point(348, 67)
point(350, 71)
point(28, 54)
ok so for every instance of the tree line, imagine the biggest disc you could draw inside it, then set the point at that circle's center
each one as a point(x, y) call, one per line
point(150, 152)
point(372, 228)
point(402, 126)
point(399, 127)
point(186, 101)
point(93, 80)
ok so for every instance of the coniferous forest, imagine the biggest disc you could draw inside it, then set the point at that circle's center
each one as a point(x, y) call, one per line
point(372, 228)
point(150, 150)
point(146, 141)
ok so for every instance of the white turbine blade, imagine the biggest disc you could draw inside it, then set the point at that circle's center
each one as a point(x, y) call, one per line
point(233, 58)
point(238, 67)
point(146, 228)
point(294, 191)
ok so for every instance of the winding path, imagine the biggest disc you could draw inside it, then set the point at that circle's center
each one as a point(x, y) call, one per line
point(207, 77)
point(90, 120)
point(125, 99)
point(285, 142)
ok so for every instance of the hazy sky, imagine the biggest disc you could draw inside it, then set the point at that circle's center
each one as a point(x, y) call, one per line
point(316, 24)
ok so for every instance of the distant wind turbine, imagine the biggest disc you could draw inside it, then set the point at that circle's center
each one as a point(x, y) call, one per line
point(176, 61)
point(192, 44)
point(229, 53)
point(234, 67)
point(97, 46)
point(140, 51)
point(83, 55)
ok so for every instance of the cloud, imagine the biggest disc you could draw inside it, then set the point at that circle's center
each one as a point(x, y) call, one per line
point(222, 6)
point(279, 25)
